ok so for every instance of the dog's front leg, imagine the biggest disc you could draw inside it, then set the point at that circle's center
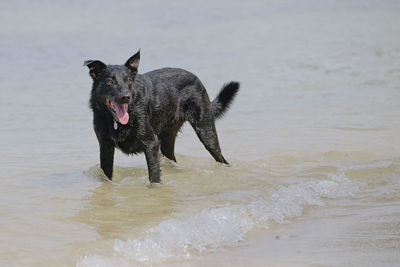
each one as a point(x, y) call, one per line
point(107, 158)
point(152, 152)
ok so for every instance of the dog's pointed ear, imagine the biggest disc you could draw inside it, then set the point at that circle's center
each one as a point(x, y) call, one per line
point(95, 67)
point(133, 63)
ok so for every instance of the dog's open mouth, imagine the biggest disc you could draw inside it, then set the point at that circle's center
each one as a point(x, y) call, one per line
point(121, 110)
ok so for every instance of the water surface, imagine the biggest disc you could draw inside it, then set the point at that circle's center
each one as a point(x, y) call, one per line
point(312, 138)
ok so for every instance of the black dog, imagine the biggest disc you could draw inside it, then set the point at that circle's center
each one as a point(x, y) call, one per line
point(141, 113)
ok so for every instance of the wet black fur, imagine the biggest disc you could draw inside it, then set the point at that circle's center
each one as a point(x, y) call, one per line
point(160, 102)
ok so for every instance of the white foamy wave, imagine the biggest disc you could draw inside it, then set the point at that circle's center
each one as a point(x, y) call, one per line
point(289, 202)
point(226, 226)
point(210, 229)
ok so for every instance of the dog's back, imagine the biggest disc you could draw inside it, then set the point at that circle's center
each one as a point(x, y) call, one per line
point(173, 94)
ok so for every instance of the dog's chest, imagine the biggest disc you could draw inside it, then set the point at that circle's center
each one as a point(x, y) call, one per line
point(127, 143)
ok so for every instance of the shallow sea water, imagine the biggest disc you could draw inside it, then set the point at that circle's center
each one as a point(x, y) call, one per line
point(312, 138)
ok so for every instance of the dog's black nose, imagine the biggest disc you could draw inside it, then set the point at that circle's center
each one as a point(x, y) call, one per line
point(126, 98)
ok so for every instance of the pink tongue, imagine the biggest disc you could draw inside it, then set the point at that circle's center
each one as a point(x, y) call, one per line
point(122, 113)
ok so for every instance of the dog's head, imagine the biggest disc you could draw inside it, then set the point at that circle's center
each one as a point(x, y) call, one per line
point(113, 85)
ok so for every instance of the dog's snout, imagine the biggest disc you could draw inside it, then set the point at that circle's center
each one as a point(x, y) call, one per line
point(126, 98)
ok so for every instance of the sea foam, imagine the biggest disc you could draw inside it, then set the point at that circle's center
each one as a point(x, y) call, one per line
point(223, 226)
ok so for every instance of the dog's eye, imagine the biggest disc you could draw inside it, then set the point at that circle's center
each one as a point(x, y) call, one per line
point(109, 82)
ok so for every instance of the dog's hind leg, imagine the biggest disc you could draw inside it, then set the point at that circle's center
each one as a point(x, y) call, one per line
point(205, 130)
point(167, 139)
point(197, 109)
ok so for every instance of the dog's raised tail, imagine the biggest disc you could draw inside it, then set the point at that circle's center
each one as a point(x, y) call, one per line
point(224, 99)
